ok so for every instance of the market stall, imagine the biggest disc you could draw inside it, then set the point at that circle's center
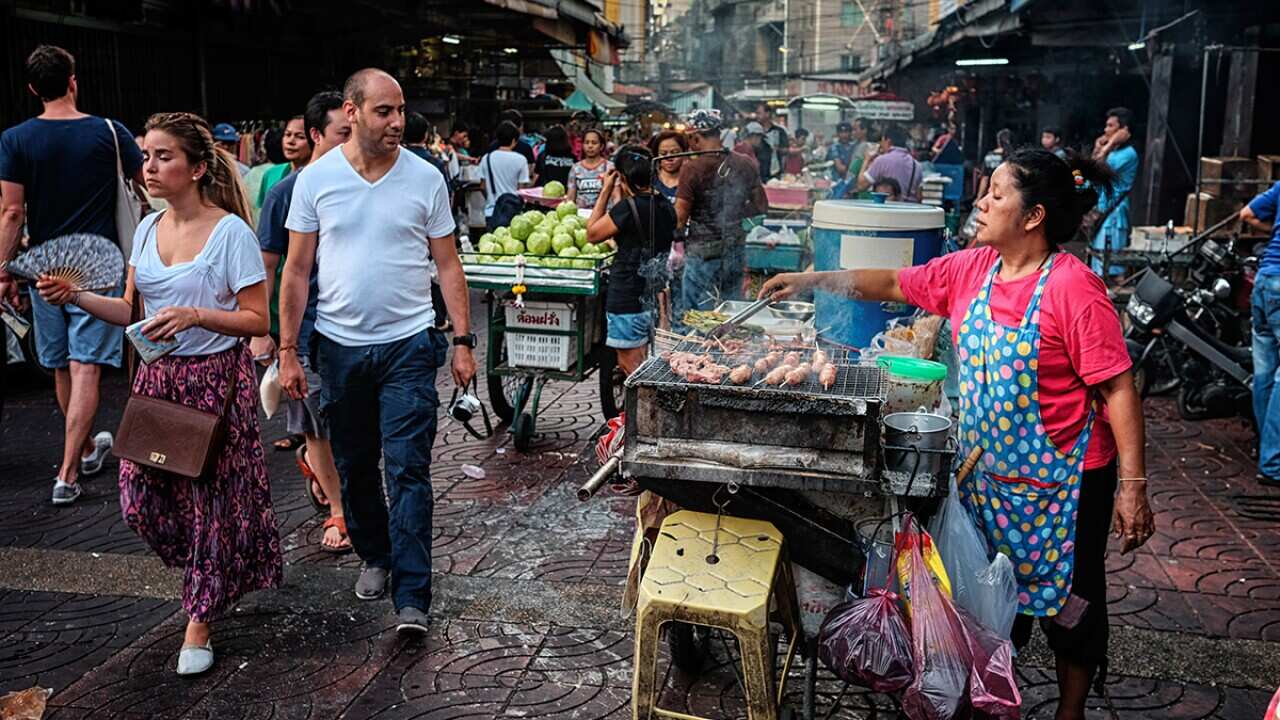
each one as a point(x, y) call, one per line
point(799, 433)
point(545, 309)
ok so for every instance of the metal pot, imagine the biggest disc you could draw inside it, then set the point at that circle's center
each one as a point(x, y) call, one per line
point(909, 438)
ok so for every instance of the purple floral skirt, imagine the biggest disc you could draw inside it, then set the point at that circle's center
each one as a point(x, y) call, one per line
point(220, 528)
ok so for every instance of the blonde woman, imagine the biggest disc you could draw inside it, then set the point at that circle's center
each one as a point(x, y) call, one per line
point(198, 272)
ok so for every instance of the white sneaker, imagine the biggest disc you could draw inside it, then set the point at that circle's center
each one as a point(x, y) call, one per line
point(64, 494)
point(92, 463)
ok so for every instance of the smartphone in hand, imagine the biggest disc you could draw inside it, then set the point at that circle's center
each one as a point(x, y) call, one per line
point(148, 349)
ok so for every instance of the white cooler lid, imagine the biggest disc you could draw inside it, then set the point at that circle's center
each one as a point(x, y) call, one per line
point(868, 215)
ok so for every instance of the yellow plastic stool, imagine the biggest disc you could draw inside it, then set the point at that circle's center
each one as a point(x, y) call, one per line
point(692, 578)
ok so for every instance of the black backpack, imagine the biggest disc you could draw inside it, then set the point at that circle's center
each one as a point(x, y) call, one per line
point(507, 205)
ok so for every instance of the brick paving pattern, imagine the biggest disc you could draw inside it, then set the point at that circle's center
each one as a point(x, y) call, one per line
point(502, 544)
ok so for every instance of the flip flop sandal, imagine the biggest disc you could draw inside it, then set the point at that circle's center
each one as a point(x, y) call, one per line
point(314, 492)
point(288, 443)
point(341, 524)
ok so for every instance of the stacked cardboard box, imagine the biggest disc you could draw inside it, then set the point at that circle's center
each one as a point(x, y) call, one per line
point(1211, 211)
point(1219, 175)
point(1269, 170)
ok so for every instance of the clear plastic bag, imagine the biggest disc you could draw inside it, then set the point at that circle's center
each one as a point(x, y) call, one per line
point(993, 686)
point(998, 596)
point(865, 642)
point(987, 589)
point(759, 234)
point(785, 236)
point(939, 644)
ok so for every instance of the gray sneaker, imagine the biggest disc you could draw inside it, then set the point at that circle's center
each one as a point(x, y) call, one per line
point(372, 583)
point(412, 620)
point(91, 464)
point(64, 494)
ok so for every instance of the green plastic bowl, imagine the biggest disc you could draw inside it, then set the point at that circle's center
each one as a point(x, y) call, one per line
point(912, 369)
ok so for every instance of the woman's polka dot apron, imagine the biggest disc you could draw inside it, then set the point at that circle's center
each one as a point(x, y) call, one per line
point(1027, 492)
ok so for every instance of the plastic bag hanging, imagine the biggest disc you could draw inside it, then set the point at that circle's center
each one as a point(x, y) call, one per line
point(993, 685)
point(986, 588)
point(939, 645)
point(998, 596)
point(866, 642)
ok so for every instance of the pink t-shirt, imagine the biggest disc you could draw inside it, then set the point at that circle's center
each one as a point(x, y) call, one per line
point(1081, 342)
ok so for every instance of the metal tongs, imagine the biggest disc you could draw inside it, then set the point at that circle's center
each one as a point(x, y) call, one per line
point(740, 317)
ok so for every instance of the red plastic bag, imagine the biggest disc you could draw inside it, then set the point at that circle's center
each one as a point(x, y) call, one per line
point(865, 642)
point(940, 645)
point(611, 442)
point(993, 687)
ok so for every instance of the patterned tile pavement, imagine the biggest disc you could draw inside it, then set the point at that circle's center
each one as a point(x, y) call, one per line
point(1211, 573)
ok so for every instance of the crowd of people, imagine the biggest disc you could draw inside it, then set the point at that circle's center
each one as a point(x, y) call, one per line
point(339, 264)
point(354, 222)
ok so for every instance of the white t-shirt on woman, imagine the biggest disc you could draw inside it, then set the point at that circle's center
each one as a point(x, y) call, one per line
point(229, 262)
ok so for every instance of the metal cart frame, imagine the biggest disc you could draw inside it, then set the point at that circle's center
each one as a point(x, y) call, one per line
point(518, 403)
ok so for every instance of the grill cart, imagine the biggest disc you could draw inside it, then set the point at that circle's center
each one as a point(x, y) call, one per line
point(544, 323)
point(809, 459)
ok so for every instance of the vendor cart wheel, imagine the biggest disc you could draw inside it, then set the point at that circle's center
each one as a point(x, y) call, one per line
point(612, 391)
point(522, 431)
point(689, 645)
point(502, 394)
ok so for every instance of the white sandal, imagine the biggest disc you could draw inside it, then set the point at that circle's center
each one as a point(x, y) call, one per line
point(195, 659)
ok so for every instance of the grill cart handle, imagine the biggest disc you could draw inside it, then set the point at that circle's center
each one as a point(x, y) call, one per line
point(969, 462)
point(597, 480)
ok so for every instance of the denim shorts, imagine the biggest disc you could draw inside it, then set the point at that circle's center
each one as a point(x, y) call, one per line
point(65, 334)
point(630, 330)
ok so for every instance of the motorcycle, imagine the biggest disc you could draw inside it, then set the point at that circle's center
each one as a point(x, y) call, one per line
point(1214, 377)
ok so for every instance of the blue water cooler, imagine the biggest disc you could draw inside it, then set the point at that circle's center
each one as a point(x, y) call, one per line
point(864, 235)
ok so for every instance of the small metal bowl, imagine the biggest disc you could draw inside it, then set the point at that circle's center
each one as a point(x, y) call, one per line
point(733, 307)
point(787, 310)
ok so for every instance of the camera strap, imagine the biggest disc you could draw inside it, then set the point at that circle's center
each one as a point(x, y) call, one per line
point(484, 413)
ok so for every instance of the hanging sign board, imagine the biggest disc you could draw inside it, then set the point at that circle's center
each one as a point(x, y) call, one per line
point(885, 109)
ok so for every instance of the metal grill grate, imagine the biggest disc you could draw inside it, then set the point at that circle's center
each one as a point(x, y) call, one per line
point(853, 381)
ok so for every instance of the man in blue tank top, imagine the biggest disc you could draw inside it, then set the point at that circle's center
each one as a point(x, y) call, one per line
point(58, 176)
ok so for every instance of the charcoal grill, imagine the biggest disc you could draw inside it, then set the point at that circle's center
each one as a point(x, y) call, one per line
point(806, 458)
point(799, 438)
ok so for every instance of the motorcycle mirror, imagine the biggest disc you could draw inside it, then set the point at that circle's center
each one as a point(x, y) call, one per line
point(1221, 289)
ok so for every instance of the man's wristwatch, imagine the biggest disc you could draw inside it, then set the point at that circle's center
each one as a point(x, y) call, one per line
point(468, 341)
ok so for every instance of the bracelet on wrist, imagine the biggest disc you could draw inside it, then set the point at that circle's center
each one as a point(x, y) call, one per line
point(1133, 479)
point(286, 348)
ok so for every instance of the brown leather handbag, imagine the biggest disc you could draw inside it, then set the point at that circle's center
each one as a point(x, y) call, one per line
point(170, 436)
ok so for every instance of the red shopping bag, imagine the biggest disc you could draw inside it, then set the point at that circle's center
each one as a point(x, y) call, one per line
point(940, 645)
point(865, 642)
point(993, 687)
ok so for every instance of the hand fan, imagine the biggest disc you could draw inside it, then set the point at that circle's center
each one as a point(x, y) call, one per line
point(89, 262)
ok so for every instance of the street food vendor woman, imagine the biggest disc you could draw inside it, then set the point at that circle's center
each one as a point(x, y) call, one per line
point(1045, 390)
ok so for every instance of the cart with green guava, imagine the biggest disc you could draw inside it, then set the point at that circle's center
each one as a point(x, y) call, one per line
point(546, 321)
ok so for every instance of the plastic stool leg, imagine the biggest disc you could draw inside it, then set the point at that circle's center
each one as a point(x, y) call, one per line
point(757, 675)
point(645, 664)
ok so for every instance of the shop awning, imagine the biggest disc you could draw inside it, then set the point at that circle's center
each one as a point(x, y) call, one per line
point(579, 11)
point(588, 96)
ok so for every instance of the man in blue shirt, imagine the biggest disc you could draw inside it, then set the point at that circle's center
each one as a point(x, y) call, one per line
point(58, 176)
point(327, 127)
point(846, 155)
point(1262, 214)
point(1114, 147)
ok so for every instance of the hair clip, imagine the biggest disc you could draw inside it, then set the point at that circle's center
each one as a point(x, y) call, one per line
point(1079, 178)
